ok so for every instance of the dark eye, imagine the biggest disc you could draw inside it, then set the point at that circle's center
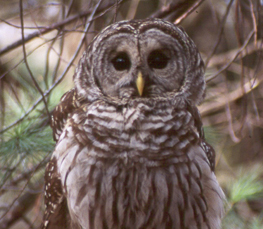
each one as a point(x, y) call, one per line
point(121, 62)
point(157, 59)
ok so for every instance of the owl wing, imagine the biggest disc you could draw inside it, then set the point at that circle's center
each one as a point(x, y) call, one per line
point(209, 151)
point(56, 214)
point(68, 102)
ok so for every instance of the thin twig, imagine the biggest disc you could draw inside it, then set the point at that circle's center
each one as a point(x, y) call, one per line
point(55, 71)
point(225, 57)
point(25, 59)
point(23, 189)
point(25, 175)
point(53, 27)
point(215, 105)
point(11, 170)
point(239, 34)
point(229, 116)
point(29, 53)
point(230, 62)
point(221, 30)
point(132, 9)
point(19, 26)
point(254, 21)
point(190, 10)
point(177, 9)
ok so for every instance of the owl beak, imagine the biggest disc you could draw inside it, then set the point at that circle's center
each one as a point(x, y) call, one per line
point(140, 83)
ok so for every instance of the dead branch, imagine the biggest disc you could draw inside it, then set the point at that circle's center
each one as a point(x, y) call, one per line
point(233, 59)
point(226, 57)
point(215, 105)
point(178, 10)
point(55, 26)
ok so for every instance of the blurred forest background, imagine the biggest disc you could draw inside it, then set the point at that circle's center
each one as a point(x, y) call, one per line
point(40, 45)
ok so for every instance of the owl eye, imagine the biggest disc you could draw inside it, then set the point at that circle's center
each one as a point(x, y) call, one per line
point(157, 59)
point(121, 62)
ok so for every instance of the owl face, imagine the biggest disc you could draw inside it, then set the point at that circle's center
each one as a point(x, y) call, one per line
point(143, 58)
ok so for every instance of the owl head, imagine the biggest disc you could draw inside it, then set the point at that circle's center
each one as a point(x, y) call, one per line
point(141, 59)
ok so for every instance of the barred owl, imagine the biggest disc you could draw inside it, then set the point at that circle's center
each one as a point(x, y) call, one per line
point(130, 149)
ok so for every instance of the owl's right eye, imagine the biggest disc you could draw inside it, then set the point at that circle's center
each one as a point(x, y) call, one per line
point(121, 62)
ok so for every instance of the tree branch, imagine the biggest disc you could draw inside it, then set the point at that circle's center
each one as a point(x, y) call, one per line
point(55, 26)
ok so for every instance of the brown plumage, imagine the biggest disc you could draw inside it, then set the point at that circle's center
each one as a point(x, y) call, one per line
point(130, 147)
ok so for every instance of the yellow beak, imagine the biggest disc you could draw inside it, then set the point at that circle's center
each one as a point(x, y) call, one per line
point(140, 83)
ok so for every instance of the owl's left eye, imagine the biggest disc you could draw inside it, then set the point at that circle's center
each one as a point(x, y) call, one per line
point(121, 62)
point(157, 59)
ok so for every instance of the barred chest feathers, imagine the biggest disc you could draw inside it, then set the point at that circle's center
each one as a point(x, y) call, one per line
point(142, 165)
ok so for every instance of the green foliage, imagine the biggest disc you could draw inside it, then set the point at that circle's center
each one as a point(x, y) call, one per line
point(232, 221)
point(246, 187)
point(23, 147)
point(212, 135)
point(24, 138)
point(256, 223)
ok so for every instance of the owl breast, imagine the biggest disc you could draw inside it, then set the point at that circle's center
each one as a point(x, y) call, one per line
point(138, 166)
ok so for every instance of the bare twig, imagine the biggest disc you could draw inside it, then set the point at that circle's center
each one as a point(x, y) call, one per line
point(229, 114)
point(23, 204)
point(132, 9)
point(225, 57)
point(221, 29)
point(19, 26)
point(230, 62)
point(188, 11)
point(22, 190)
point(209, 107)
point(28, 54)
point(179, 9)
point(54, 27)
point(11, 170)
point(254, 21)
point(25, 175)
point(25, 59)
